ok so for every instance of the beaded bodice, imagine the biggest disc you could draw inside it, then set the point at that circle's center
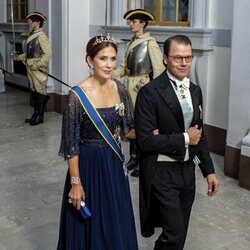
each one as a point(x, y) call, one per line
point(78, 129)
point(89, 134)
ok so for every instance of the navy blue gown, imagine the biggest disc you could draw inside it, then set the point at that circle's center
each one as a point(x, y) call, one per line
point(106, 186)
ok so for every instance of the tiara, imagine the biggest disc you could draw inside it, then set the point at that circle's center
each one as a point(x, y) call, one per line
point(107, 39)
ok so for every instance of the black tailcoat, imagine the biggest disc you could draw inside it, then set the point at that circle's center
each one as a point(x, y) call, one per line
point(157, 107)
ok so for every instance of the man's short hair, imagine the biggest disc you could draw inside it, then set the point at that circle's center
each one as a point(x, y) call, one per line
point(178, 39)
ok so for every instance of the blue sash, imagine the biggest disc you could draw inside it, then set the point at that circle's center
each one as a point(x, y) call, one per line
point(98, 121)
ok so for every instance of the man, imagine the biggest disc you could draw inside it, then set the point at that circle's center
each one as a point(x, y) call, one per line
point(142, 62)
point(36, 59)
point(170, 136)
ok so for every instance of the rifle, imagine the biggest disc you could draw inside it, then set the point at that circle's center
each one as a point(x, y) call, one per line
point(5, 71)
point(55, 78)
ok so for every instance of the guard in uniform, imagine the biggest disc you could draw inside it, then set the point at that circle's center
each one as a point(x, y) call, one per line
point(142, 61)
point(36, 58)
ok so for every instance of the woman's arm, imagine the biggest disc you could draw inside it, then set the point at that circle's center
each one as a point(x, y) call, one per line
point(76, 193)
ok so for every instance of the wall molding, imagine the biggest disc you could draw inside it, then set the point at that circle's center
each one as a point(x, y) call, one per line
point(19, 28)
point(222, 37)
point(202, 38)
point(56, 103)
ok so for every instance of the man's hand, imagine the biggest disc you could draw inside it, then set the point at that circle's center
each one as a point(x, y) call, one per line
point(155, 132)
point(213, 184)
point(131, 134)
point(14, 56)
point(34, 67)
point(194, 135)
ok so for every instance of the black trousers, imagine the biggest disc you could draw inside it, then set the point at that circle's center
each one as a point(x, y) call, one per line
point(173, 190)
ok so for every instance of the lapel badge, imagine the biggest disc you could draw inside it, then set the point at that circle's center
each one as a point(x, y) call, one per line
point(121, 109)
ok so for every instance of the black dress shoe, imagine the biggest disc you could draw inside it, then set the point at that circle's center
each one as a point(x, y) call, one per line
point(38, 119)
point(135, 172)
point(132, 163)
point(33, 117)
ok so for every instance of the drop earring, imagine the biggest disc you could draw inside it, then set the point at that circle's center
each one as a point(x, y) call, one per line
point(91, 71)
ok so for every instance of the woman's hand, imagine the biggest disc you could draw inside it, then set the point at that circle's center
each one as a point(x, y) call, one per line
point(155, 132)
point(77, 195)
point(131, 134)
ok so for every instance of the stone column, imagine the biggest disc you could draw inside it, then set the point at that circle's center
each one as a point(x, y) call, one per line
point(198, 15)
point(2, 85)
point(117, 12)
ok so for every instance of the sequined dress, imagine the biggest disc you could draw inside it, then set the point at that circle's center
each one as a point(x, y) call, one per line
point(111, 226)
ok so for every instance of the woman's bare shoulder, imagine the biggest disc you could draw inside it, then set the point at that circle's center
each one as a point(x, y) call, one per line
point(86, 85)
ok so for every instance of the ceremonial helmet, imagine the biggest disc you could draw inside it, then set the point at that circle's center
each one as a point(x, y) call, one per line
point(36, 17)
point(138, 14)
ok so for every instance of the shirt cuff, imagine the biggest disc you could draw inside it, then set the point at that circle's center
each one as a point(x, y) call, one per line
point(186, 139)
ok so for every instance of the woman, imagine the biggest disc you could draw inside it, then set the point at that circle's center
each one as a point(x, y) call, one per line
point(95, 171)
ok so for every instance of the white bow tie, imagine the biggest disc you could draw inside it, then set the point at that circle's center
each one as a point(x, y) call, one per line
point(185, 83)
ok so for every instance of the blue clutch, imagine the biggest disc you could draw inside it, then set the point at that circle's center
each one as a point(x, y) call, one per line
point(84, 210)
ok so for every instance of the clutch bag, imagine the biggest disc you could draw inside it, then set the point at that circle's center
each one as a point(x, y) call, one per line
point(84, 210)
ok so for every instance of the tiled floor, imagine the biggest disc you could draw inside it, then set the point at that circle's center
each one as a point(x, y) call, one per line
point(32, 178)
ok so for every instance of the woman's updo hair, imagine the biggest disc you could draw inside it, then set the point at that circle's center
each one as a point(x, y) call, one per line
point(98, 43)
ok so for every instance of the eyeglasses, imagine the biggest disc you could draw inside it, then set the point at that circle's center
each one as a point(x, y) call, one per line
point(179, 59)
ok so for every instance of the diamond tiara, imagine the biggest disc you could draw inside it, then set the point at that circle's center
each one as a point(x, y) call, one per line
point(102, 38)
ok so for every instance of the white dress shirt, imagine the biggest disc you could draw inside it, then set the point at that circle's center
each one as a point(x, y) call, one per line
point(185, 83)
